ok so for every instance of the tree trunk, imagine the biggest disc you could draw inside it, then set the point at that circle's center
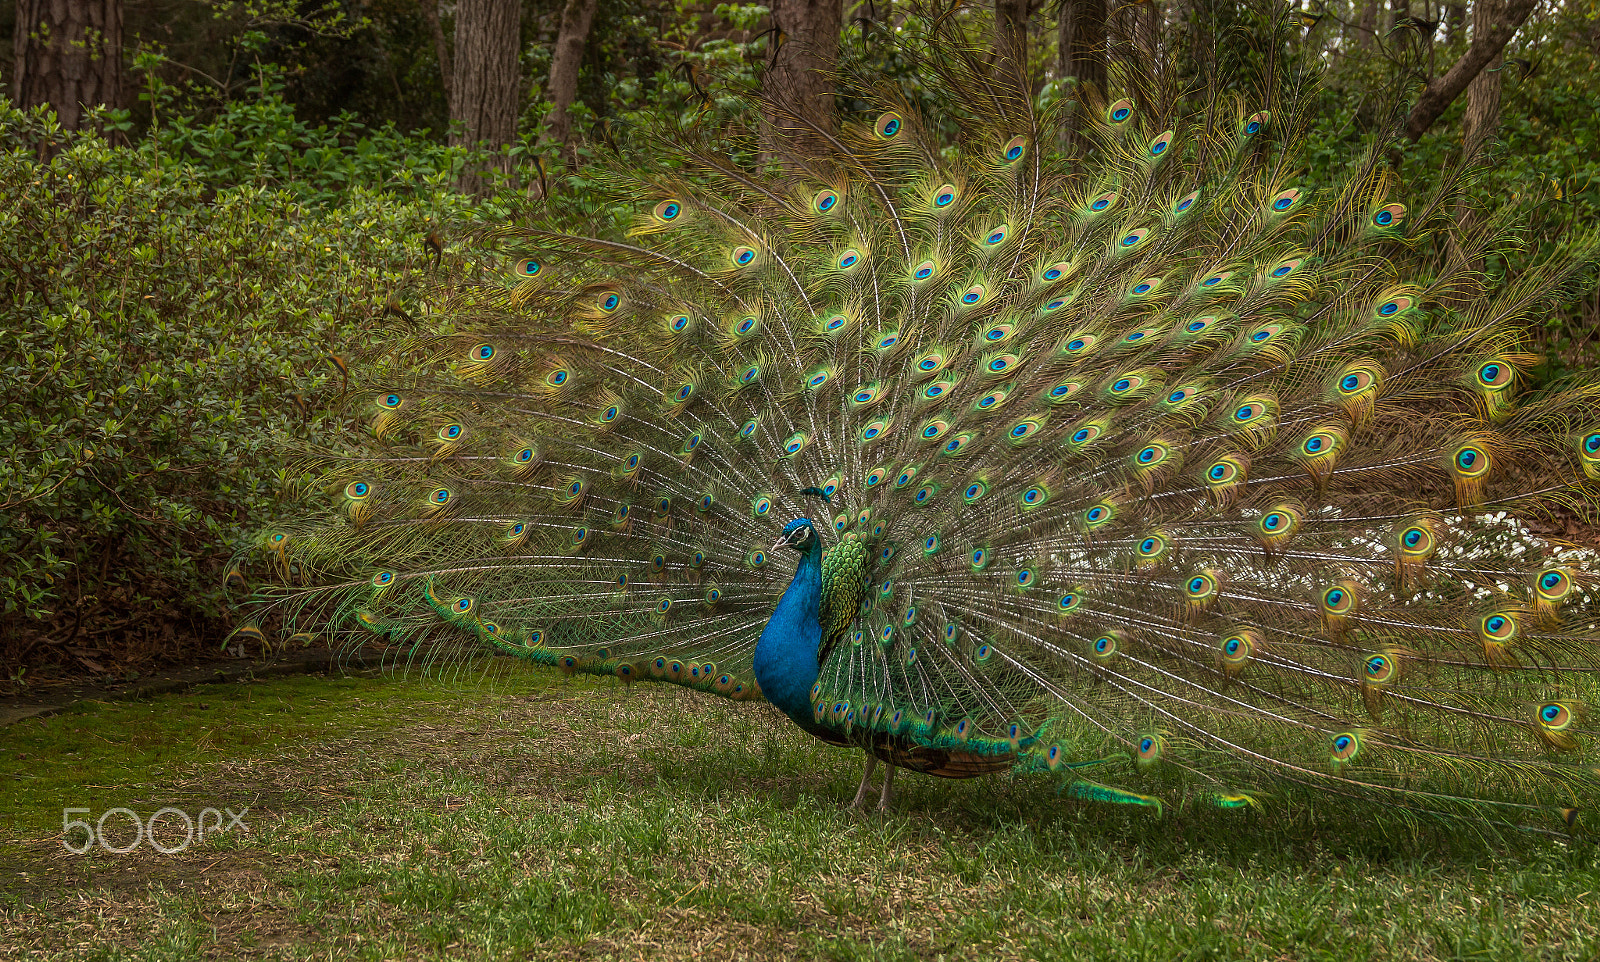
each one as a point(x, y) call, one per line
point(1011, 47)
point(1483, 93)
point(1081, 49)
point(1455, 21)
point(441, 49)
point(799, 80)
point(1367, 32)
point(1081, 53)
point(1486, 46)
point(1478, 125)
point(576, 18)
point(68, 55)
point(487, 81)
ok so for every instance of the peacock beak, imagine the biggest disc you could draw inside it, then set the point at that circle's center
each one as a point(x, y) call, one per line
point(790, 539)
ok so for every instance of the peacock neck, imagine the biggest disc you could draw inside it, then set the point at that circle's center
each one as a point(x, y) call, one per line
point(786, 656)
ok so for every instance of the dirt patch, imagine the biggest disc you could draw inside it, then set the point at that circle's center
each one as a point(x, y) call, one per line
point(54, 698)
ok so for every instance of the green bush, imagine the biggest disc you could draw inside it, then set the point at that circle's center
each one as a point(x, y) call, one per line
point(164, 328)
point(263, 142)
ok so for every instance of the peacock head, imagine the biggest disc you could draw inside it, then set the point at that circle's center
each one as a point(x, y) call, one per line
point(798, 534)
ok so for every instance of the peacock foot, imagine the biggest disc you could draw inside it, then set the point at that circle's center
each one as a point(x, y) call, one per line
point(885, 796)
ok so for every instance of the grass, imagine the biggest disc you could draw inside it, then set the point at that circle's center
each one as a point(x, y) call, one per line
point(536, 817)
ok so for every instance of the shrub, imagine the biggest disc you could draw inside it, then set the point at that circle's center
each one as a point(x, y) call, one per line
point(164, 328)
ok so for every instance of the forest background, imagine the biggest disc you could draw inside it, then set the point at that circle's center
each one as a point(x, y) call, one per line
point(205, 204)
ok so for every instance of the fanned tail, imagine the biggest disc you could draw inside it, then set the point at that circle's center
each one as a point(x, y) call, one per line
point(1153, 448)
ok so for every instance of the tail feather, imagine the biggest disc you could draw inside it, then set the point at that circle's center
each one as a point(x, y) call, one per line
point(1149, 443)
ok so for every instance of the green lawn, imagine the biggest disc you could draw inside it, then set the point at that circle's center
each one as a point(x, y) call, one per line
point(536, 817)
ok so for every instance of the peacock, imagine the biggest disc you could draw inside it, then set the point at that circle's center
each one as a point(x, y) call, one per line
point(1092, 442)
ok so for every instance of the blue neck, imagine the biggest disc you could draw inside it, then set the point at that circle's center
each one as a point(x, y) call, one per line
point(786, 656)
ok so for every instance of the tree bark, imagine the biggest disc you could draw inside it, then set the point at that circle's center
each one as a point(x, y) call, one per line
point(1081, 53)
point(441, 48)
point(487, 80)
point(68, 55)
point(1485, 47)
point(799, 80)
point(1081, 50)
point(1011, 46)
point(576, 18)
point(1367, 32)
point(1483, 93)
point(1455, 21)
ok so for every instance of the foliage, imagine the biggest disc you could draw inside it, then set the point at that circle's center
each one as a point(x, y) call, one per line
point(166, 323)
point(260, 140)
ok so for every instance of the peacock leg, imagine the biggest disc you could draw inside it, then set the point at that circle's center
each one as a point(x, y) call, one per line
point(866, 777)
point(888, 794)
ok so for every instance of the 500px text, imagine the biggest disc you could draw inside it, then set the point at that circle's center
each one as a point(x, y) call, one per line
point(172, 820)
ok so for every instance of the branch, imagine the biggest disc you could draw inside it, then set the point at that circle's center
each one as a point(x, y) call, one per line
point(1439, 94)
